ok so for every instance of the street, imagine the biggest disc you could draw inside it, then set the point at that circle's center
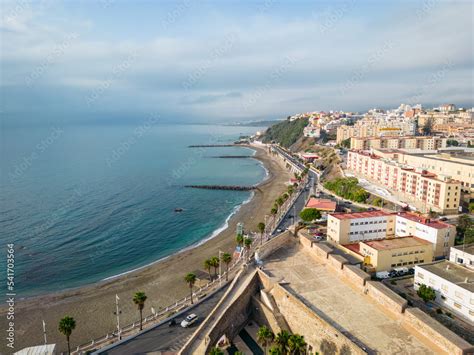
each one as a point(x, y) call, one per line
point(164, 337)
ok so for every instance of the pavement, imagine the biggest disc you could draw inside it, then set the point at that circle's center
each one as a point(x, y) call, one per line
point(165, 338)
point(348, 310)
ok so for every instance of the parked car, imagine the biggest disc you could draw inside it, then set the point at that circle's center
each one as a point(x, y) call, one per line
point(279, 230)
point(382, 274)
point(189, 320)
point(318, 238)
point(444, 219)
point(370, 209)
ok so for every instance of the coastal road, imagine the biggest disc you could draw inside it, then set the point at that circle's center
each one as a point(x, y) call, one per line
point(163, 337)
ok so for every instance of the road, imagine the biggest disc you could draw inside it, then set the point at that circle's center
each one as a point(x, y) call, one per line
point(164, 337)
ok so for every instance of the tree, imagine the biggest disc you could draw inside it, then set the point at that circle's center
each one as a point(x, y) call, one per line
point(452, 143)
point(464, 222)
point(427, 128)
point(426, 293)
point(469, 236)
point(274, 210)
point(290, 189)
point(281, 340)
point(226, 258)
point(264, 337)
point(215, 264)
point(66, 326)
point(297, 344)
point(310, 214)
point(207, 266)
point(279, 201)
point(239, 239)
point(471, 207)
point(275, 350)
point(190, 279)
point(139, 299)
point(216, 351)
point(261, 229)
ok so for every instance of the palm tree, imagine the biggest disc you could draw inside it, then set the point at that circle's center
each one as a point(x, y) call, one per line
point(261, 229)
point(239, 239)
point(215, 264)
point(275, 350)
point(139, 299)
point(207, 266)
point(216, 351)
point(297, 344)
point(281, 340)
point(226, 258)
point(248, 244)
point(190, 279)
point(66, 326)
point(264, 337)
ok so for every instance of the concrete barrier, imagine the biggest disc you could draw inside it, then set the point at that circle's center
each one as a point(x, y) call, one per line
point(385, 297)
point(274, 244)
point(437, 333)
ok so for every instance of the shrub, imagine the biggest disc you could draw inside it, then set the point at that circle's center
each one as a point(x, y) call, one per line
point(426, 293)
point(347, 188)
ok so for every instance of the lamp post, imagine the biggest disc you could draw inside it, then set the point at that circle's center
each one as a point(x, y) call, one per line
point(117, 313)
point(44, 333)
point(220, 267)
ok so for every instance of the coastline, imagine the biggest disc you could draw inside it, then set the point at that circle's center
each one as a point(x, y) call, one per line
point(92, 305)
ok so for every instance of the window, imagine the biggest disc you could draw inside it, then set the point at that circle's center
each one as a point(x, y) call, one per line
point(393, 265)
point(444, 288)
point(458, 295)
point(457, 305)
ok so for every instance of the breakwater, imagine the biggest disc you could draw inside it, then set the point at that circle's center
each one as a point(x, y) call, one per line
point(232, 156)
point(222, 187)
point(211, 145)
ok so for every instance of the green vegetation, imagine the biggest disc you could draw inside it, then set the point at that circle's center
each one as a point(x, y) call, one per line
point(310, 214)
point(346, 143)
point(139, 299)
point(66, 326)
point(426, 293)
point(207, 266)
point(226, 258)
point(261, 229)
point(283, 343)
point(239, 239)
point(215, 264)
point(427, 128)
point(190, 279)
point(465, 230)
point(347, 188)
point(285, 133)
point(264, 337)
point(471, 207)
point(452, 143)
point(216, 351)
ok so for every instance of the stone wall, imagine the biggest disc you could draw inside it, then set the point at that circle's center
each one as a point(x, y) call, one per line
point(437, 333)
point(385, 297)
point(274, 244)
point(264, 316)
point(301, 319)
point(413, 318)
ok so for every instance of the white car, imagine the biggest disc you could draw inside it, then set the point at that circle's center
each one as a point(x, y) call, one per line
point(189, 320)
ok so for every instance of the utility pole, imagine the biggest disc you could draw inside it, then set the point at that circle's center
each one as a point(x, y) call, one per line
point(44, 333)
point(117, 313)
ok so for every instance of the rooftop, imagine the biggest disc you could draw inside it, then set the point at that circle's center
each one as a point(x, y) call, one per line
point(468, 248)
point(424, 220)
point(355, 215)
point(321, 204)
point(452, 272)
point(396, 243)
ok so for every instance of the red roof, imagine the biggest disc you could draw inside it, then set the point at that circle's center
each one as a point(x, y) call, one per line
point(424, 220)
point(355, 247)
point(355, 215)
point(321, 204)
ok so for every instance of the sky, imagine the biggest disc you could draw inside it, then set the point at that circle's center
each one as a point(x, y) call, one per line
point(209, 61)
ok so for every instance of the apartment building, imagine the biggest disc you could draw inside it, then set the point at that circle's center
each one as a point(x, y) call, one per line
point(454, 162)
point(463, 255)
point(437, 192)
point(441, 235)
point(371, 127)
point(453, 284)
point(346, 228)
point(407, 142)
point(387, 254)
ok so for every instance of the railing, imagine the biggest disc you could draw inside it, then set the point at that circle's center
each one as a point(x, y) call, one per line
point(150, 320)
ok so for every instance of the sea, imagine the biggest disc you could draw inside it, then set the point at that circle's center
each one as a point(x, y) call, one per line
point(83, 203)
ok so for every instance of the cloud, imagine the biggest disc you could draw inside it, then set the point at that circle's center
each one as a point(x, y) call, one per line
point(345, 57)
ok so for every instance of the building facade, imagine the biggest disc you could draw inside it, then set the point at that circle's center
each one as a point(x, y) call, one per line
point(453, 285)
point(437, 192)
point(463, 255)
point(407, 142)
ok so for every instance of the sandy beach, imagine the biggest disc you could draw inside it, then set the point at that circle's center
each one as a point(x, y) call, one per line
point(93, 306)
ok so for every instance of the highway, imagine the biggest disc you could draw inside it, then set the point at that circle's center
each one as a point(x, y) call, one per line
point(163, 337)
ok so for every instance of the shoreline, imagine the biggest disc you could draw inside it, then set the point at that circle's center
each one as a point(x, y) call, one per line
point(161, 279)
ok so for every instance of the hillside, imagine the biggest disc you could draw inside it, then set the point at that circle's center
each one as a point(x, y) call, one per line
point(285, 133)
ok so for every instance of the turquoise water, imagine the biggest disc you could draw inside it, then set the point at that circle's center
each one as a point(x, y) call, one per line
point(84, 203)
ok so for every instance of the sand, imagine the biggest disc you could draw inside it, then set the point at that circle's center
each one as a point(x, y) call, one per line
point(93, 306)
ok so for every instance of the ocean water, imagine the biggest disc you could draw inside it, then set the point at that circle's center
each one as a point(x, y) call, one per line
point(85, 203)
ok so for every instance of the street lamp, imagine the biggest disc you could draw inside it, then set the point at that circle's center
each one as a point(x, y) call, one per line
point(220, 268)
point(117, 313)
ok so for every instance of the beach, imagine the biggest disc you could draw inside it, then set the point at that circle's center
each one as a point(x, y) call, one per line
point(93, 306)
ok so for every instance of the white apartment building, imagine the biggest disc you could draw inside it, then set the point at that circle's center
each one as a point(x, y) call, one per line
point(346, 228)
point(453, 284)
point(463, 255)
point(440, 234)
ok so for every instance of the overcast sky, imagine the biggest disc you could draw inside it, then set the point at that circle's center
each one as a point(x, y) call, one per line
point(115, 60)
